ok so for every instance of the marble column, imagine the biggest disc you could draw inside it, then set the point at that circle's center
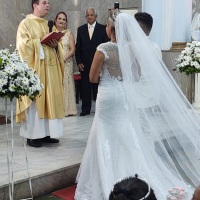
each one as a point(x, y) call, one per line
point(195, 7)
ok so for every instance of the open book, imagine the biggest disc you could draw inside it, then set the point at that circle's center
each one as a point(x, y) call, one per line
point(52, 35)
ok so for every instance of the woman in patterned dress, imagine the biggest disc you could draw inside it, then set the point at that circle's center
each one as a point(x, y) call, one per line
point(69, 49)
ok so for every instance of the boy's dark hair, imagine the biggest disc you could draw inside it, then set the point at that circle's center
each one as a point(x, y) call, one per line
point(132, 188)
point(34, 2)
point(145, 20)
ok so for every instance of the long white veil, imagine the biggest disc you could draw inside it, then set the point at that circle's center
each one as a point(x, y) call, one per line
point(166, 124)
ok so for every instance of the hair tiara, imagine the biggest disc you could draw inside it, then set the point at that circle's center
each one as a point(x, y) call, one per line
point(126, 192)
point(149, 188)
point(113, 14)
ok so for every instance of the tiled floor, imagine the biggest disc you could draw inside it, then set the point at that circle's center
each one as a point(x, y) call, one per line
point(48, 158)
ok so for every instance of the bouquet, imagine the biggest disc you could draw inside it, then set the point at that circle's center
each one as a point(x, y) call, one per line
point(176, 193)
point(189, 59)
point(16, 78)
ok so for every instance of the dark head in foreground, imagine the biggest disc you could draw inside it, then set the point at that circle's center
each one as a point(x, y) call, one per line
point(132, 188)
point(196, 195)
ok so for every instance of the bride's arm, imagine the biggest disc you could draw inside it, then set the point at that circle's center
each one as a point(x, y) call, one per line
point(96, 67)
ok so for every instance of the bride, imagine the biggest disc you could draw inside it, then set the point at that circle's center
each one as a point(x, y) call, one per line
point(143, 123)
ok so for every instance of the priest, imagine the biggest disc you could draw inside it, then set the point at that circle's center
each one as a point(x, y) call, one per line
point(42, 120)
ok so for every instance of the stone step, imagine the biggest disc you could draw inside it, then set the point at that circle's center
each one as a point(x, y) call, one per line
point(42, 184)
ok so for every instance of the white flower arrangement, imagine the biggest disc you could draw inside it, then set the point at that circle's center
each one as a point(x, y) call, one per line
point(16, 78)
point(189, 59)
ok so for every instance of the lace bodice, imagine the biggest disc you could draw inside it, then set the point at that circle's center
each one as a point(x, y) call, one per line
point(111, 67)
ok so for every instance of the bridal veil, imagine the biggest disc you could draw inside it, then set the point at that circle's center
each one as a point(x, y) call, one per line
point(165, 122)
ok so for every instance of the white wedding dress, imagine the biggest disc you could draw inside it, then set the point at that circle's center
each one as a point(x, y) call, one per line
point(140, 134)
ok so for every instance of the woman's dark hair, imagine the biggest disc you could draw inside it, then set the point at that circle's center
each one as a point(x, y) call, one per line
point(34, 2)
point(132, 188)
point(59, 14)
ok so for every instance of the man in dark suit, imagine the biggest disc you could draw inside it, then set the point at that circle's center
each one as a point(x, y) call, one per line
point(89, 36)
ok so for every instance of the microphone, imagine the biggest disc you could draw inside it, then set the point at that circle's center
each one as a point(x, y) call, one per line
point(50, 25)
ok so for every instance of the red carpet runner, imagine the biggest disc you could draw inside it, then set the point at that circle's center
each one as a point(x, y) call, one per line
point(66, 194)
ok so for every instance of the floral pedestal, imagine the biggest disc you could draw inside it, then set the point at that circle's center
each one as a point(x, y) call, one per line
point(196, 103)
point(188, 62)
point(16, 80)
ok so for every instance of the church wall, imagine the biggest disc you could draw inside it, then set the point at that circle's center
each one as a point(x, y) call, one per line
point(12, 12)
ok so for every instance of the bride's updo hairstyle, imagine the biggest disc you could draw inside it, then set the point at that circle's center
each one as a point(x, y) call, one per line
point(112, 18)
point(132, 188)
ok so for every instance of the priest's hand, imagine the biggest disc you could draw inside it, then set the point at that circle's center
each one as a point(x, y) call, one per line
point(53, 43)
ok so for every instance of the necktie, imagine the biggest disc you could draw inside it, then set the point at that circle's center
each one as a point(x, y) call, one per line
point(90, 31)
